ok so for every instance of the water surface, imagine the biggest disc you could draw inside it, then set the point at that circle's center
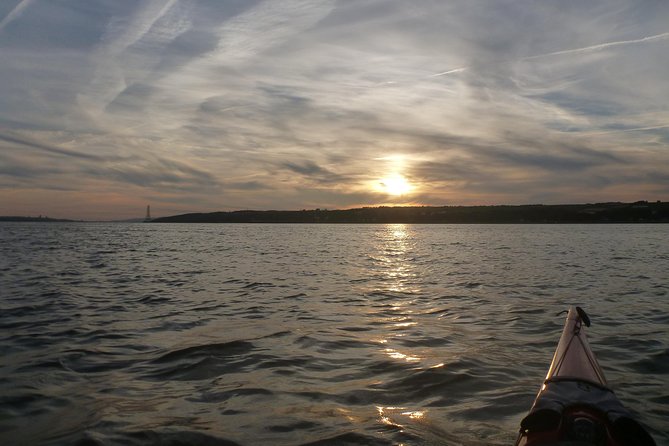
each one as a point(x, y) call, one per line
point(141, 334)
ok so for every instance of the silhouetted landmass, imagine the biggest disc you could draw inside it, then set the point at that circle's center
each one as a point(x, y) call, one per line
point(38, 219)
point(638, 212)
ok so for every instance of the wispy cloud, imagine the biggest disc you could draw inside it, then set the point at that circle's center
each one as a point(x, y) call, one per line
point(312, 172)
point(48, 148)
point(14, 13)
point(602, 46)
point(298, 103)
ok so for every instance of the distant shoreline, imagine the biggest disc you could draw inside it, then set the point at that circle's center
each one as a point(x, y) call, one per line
point(36, 219)
point(612, 212)
point(637, 212)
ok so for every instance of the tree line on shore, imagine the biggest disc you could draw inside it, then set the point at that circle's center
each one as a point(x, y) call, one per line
point(637, 212)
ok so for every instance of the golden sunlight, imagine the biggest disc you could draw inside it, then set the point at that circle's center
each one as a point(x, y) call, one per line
point(396, 185)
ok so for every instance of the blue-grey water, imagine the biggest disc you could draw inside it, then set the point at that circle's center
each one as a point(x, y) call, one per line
point(158, 334)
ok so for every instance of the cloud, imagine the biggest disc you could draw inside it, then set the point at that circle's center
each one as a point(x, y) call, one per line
point(18, 169)
point(14, 13)
point(120, 35)
point(313, 172)
point(602, 46)
point(51, 163)
point(292, 103)
point(52, 149)
point(248, 185)
point(155, 173)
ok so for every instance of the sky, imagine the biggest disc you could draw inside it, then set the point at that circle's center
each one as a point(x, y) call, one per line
point(108, 106)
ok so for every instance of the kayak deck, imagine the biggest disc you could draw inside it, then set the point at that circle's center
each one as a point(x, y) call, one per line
point(575, 405)
point(573, 357)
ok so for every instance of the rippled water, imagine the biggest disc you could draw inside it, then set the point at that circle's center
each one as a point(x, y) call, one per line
point(147, 334)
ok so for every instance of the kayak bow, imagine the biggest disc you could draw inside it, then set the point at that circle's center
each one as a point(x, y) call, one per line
point(575, 405)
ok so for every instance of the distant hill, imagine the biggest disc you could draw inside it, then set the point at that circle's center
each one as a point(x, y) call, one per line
point(35, 219)
point(638, 212)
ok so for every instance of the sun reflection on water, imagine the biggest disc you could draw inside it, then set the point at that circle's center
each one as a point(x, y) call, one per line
point(394, 255)
point(415, 415)
point(398, 280)
point(397, 290)
point(398, 355)
point(399, 416)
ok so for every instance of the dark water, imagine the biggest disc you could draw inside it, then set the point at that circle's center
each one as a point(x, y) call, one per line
point(137, 334)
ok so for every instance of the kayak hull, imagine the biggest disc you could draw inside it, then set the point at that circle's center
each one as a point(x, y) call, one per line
point(575, 405)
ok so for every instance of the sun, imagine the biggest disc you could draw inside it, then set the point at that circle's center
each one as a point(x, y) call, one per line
point(396, 185)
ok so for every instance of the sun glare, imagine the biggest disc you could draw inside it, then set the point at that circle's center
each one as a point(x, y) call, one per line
point(396, 185)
